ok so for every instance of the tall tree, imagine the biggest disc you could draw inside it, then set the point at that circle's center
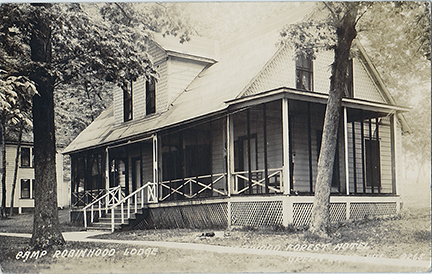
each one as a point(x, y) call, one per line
point(67, 46)
point(46, 232)
point(334, 27)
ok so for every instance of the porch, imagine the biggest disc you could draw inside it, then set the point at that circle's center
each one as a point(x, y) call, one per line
point(258, 159)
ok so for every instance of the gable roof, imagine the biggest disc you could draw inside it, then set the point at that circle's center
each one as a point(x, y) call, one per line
point(238, 63)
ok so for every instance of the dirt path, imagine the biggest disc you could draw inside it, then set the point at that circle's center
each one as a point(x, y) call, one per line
point(295, 257)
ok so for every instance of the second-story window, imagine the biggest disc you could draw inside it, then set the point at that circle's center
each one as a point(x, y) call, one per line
point(25, 157)
point(304, 73)
point(150, 96)
point(127, 103)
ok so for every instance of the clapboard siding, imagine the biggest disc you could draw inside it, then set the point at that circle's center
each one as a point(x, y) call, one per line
point(138, 98)
point(147, 163)
point(385, 155)
point(162, 87)
point(218, 150)
point(274, 134)
point(118, 105)
point(180, 73)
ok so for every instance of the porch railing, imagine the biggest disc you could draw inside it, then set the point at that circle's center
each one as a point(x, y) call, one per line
point(144, 195)
point(102, 203)
point(84, 198)
point(186, 187)
point(241, 180)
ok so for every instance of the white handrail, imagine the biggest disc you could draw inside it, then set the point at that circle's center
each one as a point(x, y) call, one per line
point(242, 175)
point(151, 198)
point(112, 191)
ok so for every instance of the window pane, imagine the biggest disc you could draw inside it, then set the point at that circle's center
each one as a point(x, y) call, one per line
point(304, 73)
point(150, 97)
point(25, 188)
point(127, 105)
point(25, 156)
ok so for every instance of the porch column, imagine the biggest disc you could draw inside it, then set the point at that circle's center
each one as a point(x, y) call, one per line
point(393, 134)
point(345, 121)
point(229, 163)
point(155, 163)
point(285, 147)
point(107, 164)
point(229, 153)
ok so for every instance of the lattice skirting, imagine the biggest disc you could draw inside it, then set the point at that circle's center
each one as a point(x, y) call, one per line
point(259, 214)
point(256, 214)
point(362, 210)
point(190, 216)
point(302, 213)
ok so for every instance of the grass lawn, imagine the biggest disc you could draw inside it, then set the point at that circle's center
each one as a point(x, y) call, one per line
point(400, 237)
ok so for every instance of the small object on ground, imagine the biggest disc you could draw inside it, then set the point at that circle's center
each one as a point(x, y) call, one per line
point(208, 234)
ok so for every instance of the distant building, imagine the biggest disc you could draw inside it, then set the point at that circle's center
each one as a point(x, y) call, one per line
point(25, 184)
point(230, 135)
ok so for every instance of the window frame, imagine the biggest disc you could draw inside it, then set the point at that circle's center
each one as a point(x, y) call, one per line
point(128, 103)
point(304, 70)
point(29, 194)
point(150, 99)
point(29, 157)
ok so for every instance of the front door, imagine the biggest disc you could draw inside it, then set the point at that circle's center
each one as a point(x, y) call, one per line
point(373, 174)
point(242, 159)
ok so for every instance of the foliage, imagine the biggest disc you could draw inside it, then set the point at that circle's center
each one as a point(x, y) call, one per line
point(403, 61)
point(16, 93)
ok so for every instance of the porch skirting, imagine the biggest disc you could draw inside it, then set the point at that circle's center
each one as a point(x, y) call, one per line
point(265, 211)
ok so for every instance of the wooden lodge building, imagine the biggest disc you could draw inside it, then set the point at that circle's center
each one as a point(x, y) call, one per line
point(229, 135)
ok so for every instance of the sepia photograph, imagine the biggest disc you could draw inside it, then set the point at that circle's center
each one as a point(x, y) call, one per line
point(215, 137)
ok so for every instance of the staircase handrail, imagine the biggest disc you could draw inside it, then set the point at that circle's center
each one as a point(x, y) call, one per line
point(98, 200)
point(151, 198)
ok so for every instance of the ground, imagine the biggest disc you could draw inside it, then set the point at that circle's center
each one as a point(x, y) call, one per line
point(400, 237)
point(405, 239)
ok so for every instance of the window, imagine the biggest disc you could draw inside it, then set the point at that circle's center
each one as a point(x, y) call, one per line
point(150, 97)
point(25, 157)
point(304, 73)
point(25, 188)
point(349, 92)
point(32, 187)
point(127, 103)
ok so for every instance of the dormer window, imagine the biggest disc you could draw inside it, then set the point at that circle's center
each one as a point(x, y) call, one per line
point(150, 96)
point(127, 103)
point(304, 73)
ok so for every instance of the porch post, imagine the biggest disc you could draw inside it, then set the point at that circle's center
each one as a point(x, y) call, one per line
point(155, 164)
point(285, 146)
point(230, 153)
point(346, 149)
point(249, 151)
point(393, 134)
point(230, 163)
point(107, 163)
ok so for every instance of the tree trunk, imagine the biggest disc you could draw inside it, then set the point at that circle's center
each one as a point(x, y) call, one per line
point(346, 33)
point(3, 170)
point(15, 176)
point(46, 231)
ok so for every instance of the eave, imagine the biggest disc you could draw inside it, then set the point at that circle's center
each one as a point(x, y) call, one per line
point(313, 97)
